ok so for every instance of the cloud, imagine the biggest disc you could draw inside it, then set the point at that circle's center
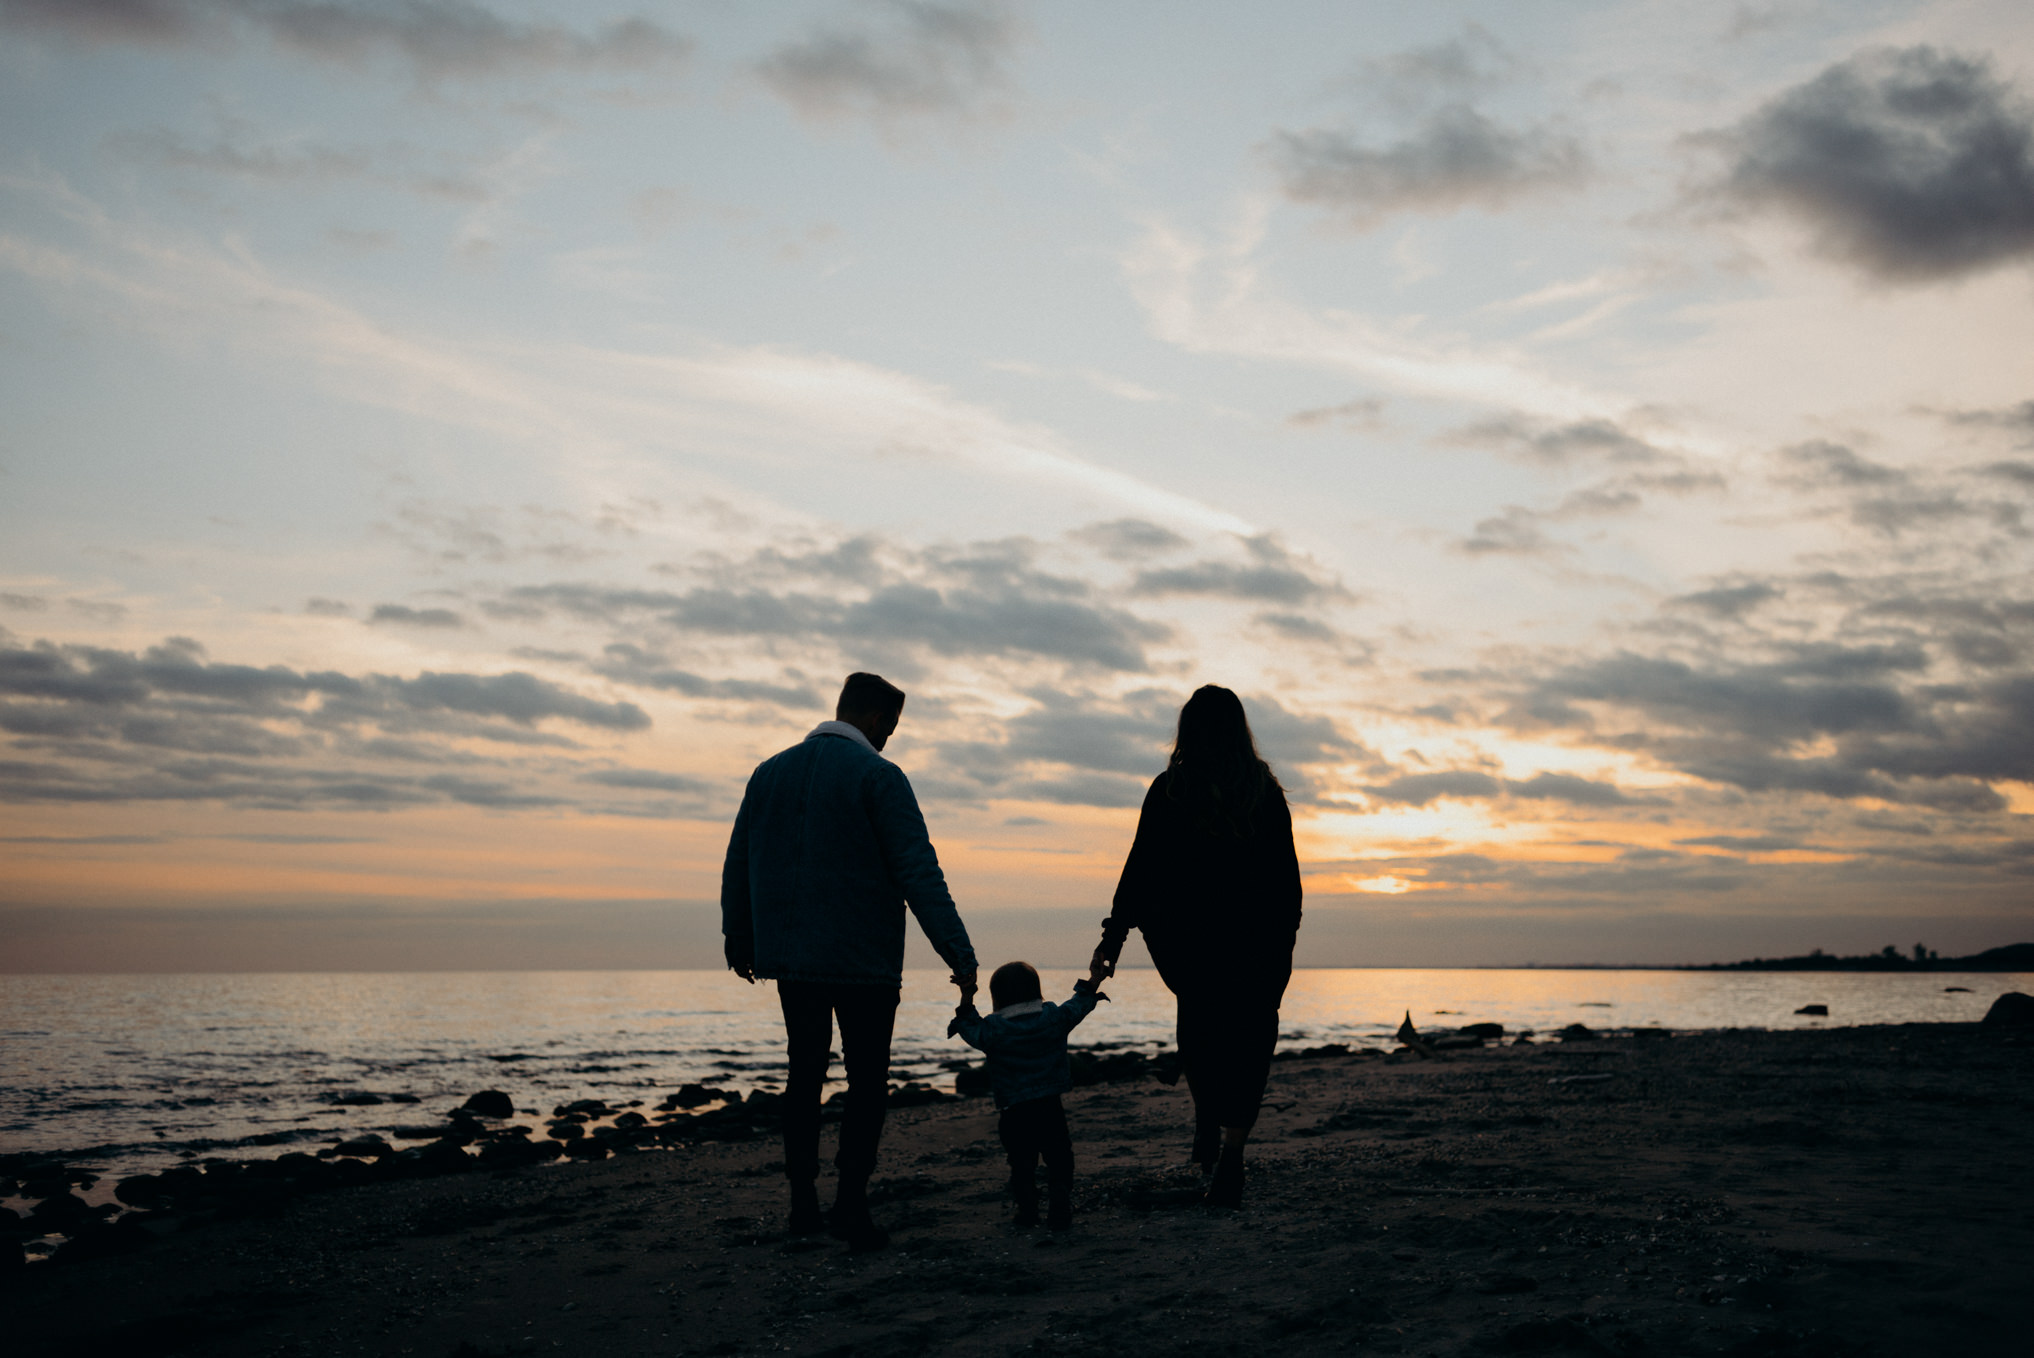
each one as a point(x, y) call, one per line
point(234, 151)
point(923, 60)
point(399, 615)
point(628, 664)
point(1560, 443)
point(1728, 601)
point(1910, 164)
point(1127, 539)
point(982, 599)
point(167, 723)
point(1469, 63)
point(1422, 789)
point(1456, 159)
point(1365, 415)
point(26, 603)
point(327, 608)
point(2017, 420)
point(438, 38)
point(1419, 789)
point(1820, 464)
point(646, 780)
point(1515, 532)
point(1272, 575)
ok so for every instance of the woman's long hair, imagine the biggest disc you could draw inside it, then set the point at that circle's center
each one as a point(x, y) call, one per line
point(1215, 770)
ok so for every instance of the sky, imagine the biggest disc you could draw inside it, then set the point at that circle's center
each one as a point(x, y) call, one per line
point(446, 444)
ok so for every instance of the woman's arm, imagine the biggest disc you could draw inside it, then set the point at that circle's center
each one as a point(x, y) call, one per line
point(1138, 887)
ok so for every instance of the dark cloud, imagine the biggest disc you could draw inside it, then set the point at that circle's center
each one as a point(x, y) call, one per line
point(1557, 444)
point(628, 664)
point(1728, 601)
point(1516, 532)
point(1127, 539)
point(646, 780)
point(400, 615)
point(1745, 843)
point(327, 608)
point(1419, 789)
point(923, 60)
point(436, 37)
point(2019, 474)
point(1366, 414)
point(1296, 627)
point(987, 599)
point(1457, 158)
point(2017, 420)
point(1912, 164)
point(1567, 787)
point(26, 603)
point(1084, 750)
point(1471, 62)
point(1822, 464)
point(170, 724)
point(1272, 575)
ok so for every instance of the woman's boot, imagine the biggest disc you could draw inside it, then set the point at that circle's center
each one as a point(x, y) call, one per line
point(1226, 1189)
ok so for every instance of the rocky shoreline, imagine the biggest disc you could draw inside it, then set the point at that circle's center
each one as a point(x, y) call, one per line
point(1850, 1191)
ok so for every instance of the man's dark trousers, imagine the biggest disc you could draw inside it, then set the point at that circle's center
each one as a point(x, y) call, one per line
point(867, 1014)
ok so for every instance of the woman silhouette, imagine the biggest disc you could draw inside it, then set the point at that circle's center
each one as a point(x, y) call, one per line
point(1213, 882)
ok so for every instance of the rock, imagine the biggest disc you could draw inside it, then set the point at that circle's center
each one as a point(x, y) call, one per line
point(690, 1096)
point(357, 1098)
point(593, 1108)
point(972, 1082)
point(404, 1098)
point(428, 1132)
point(1818, 1010)
point(140, 1190)
point(370, 1146)
point(566, 1131)
point(10, 1222)
point(58, 1212)
point(490, 1103)
point(912, 1094)
point(1652, 1032)
point(1483, 1030)
point(99, 1240)
point(1956, 990)
point(762, 1103)
point(2011, 1010)
point(631, 1120)
point(587, 1149)
point(444, 1157)
point(1577, 1032)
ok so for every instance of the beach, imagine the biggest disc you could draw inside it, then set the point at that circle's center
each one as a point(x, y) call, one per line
point(1855, 1191)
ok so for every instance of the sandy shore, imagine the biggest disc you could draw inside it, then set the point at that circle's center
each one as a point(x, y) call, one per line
point(1858, 1191)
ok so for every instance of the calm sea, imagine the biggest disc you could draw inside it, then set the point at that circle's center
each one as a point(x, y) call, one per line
point(129, 1072)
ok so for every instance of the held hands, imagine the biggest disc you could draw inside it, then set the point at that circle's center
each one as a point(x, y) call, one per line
point(966, 982)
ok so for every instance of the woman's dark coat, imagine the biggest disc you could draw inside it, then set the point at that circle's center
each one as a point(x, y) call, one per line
point(1219, 911)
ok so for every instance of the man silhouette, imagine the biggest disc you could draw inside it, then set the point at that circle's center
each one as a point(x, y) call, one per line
point(828, 849)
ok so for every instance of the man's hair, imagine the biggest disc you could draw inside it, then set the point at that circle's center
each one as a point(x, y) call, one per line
point(1013, 983)
point(868, 693)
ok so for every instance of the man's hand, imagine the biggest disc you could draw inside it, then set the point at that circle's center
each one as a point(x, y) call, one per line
point(966, 982)
point(1101, 966)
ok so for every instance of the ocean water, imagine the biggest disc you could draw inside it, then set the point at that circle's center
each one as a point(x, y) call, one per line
point(135, 1072)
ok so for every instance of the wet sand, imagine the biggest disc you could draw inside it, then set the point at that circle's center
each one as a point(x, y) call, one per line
point(1856, 1191)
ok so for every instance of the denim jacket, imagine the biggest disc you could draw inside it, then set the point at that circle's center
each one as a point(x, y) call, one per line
point(828, 849)
point(1025, 1043)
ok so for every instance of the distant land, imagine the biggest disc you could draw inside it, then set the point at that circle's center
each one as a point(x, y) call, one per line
point(2012, 957)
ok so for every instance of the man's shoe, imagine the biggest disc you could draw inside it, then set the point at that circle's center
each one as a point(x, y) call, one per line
point(806, 1218)
point(1226, 1189)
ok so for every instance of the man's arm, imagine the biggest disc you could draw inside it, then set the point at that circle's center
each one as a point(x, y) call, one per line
point(737, 918)
point(914, 868)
